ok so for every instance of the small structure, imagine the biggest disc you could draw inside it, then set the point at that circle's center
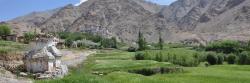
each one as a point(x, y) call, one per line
point(12, 37)
point(45, 57)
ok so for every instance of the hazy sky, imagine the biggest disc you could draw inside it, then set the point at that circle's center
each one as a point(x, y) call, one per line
point(14, 8)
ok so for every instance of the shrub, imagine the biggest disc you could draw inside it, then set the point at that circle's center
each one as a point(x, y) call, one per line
point(212, 59)
point(220, 58)
point(160, 70)
point(139, 56)
point(144, 71)
point(231, 58)
point(244, 58)
point(131, 49)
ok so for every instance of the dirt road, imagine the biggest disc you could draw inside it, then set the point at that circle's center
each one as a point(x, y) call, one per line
point(73, 58)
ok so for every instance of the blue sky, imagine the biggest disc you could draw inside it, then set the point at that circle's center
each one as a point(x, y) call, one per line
point(14, 8)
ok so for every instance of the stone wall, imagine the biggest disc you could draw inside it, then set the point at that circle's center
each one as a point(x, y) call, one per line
point(39, 65)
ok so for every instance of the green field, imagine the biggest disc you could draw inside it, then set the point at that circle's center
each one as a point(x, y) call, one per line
point(114, 66)
point(8, 47)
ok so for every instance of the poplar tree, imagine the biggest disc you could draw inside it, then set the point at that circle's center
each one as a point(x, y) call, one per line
point(141, 42)
point(161, 42)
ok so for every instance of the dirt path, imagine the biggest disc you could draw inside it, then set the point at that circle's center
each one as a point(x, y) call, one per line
point(73, 58)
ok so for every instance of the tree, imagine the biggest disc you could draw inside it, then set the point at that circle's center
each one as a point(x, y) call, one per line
point(212, 59)
point(109, 43)
point(220, 58)
point(248, 45)
point(29, 36)
point(225, 46)
point(114, 42)
point(141, 42)
point(244, 58)
point(231, 58)
point(4, 30)
point(161, 42)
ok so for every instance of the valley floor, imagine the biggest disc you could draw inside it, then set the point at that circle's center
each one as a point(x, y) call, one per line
point(112, 66)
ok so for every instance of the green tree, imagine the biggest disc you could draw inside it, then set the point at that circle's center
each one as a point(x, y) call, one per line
point(244, 58)
point(29, 36)
point(220, 58)
point(248, 45)
point(114, 44)
point(225, 46)
point(161, 42)
point(109, 43)
point(4, 30)
point(141, 42)
point(212, 59)
point(231, 58)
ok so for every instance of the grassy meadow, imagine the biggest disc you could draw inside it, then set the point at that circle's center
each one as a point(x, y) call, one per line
point(112, 66)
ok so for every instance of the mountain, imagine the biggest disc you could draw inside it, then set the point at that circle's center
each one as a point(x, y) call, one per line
point(199, 20)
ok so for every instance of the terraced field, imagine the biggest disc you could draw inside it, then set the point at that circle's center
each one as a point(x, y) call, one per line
point(111, 66)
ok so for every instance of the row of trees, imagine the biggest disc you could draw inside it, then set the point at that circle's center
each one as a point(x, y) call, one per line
point(242, 58)
point(143, 44)
point(104, 42)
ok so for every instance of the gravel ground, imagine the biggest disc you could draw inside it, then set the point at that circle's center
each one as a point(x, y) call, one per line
point(8, 77)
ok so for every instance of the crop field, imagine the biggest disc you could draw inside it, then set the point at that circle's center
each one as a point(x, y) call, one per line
point(112, 66)
point(8, 46)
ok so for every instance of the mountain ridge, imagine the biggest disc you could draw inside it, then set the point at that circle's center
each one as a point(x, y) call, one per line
point(201, 20)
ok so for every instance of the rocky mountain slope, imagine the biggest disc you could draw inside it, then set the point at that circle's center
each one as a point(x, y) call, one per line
point(202, 20)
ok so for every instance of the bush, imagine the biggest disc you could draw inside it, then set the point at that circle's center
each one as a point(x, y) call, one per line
point(220, 58)
point(244, 58)
point(212, 59)
point(139, 56)
point(231, 59)
point(160, 70)
point(144, 71)
point(131, 49)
